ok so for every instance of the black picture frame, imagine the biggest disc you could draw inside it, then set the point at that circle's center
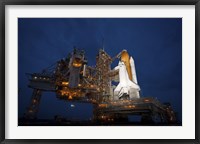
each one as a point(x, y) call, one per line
point(3, 4)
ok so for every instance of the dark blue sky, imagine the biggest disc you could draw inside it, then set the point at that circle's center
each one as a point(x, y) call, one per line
point(154, 43)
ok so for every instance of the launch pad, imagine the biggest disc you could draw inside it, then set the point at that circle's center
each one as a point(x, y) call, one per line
point(73, 80)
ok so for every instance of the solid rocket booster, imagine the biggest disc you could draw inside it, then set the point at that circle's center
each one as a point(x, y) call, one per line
point(134, 77)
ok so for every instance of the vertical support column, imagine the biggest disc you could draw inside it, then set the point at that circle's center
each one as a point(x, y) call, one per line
point(32, 110)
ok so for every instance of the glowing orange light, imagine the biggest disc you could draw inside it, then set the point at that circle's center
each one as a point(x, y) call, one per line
point(102, 105)
point(76, 64)
point(65, 83)
point(70, 97)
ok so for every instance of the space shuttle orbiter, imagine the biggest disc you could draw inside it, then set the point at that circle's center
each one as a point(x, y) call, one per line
point(127, 87)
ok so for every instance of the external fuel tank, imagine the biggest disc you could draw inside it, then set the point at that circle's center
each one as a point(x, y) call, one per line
point(125, 58)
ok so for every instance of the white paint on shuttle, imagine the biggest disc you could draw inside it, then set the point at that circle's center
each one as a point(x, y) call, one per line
point(126, 87)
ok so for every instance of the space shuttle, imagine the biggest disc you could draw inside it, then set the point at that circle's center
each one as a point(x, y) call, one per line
point(128, 87)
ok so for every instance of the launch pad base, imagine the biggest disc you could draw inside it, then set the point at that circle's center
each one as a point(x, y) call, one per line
point(150, 110)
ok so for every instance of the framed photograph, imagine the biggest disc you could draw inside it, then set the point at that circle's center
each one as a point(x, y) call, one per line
point(99, 72)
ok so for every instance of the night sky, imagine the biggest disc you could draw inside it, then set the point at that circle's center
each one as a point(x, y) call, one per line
point(154, 43)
